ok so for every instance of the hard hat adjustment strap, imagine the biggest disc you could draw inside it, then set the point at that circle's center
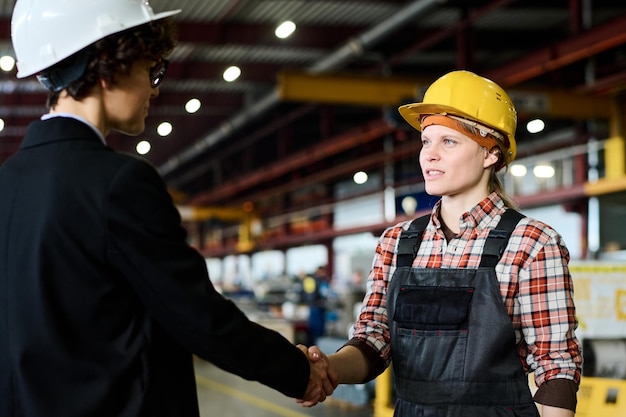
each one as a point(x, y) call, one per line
point(484, 130)
point(62, 74)
point(458, 124)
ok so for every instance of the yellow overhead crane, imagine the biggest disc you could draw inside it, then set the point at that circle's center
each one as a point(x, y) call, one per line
point(363, 90)
point(244, 215)
point(614, 154)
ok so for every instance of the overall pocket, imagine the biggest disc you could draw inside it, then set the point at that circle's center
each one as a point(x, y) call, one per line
point(431, 328)
point(433, 308)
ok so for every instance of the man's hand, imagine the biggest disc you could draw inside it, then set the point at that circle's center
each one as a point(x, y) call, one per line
point(323, 378)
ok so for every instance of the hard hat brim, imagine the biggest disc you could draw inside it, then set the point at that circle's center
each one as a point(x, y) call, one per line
point(163, 15)
point(413, 113)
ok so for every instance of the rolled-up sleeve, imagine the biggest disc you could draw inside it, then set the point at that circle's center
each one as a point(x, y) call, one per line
point(547, 311)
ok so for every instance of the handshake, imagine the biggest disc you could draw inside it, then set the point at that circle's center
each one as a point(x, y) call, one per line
point(323, 379)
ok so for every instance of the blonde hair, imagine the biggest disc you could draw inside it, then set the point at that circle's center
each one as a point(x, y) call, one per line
point(495, 185)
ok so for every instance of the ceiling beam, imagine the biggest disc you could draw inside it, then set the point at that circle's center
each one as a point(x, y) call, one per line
point(339, 143)
point(576, 48)
point(386, 91)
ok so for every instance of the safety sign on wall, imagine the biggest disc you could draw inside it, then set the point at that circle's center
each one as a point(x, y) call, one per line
point(600, 297)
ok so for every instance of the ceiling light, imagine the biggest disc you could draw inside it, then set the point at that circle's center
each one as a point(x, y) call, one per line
point(165, 129)
point(543, 170)
point(143, 147)
point(535, 126)
point(232, 73)
point(193, 105)
point(285, 29)
point(518, 170)
point(409, 204)
point(7, 63)
point(1, 125)
point(360, 177)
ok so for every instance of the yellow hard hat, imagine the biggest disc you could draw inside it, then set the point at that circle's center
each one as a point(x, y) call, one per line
point(470, 96)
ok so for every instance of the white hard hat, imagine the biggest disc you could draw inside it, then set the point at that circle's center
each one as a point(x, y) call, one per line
point(44, 32)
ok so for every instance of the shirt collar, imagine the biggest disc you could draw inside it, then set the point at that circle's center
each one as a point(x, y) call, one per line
point(486, 213)
point(80, 119)
point(482, 215)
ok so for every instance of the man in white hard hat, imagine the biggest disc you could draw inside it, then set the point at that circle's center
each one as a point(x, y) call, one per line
point(102, 301)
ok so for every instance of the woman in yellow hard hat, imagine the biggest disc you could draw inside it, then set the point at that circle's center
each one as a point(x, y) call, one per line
point(468, 300)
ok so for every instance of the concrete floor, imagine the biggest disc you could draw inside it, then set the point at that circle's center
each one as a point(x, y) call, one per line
point(221, 394)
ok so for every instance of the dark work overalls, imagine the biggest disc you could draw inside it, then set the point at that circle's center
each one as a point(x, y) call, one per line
point(453, 344)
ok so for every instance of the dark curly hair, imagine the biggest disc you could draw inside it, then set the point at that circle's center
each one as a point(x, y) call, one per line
point(115, 54)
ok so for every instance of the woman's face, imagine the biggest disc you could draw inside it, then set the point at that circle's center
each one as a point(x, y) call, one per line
point(127, 100)
point(453, 164)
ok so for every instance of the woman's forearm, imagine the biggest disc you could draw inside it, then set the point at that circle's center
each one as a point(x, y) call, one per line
point(547, 411)
point(350, 364)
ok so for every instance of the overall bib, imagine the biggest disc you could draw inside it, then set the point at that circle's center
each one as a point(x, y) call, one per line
point(453, 344)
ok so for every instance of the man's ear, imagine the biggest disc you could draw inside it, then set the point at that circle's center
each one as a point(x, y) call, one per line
point(491, 157)
point(105, 84)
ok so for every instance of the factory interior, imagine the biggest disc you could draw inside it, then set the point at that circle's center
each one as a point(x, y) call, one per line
point(287, 158)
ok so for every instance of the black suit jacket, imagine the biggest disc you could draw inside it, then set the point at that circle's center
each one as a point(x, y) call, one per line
point(102, 301)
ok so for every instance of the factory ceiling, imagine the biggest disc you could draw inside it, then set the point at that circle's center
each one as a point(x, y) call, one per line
point(310, 110)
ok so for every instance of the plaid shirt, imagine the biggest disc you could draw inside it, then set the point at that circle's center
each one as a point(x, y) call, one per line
point(534, 278)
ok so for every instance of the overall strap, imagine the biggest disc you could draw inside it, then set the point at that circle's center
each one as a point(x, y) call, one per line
point(494, 246)
point(499, 237)
point(410, 241)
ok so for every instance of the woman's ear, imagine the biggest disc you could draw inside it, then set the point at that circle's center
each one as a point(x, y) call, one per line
point(491, 157)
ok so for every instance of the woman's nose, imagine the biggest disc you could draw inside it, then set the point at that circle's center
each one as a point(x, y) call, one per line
point(429, 154)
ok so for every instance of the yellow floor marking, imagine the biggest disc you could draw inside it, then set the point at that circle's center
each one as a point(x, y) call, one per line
point(251, 399)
